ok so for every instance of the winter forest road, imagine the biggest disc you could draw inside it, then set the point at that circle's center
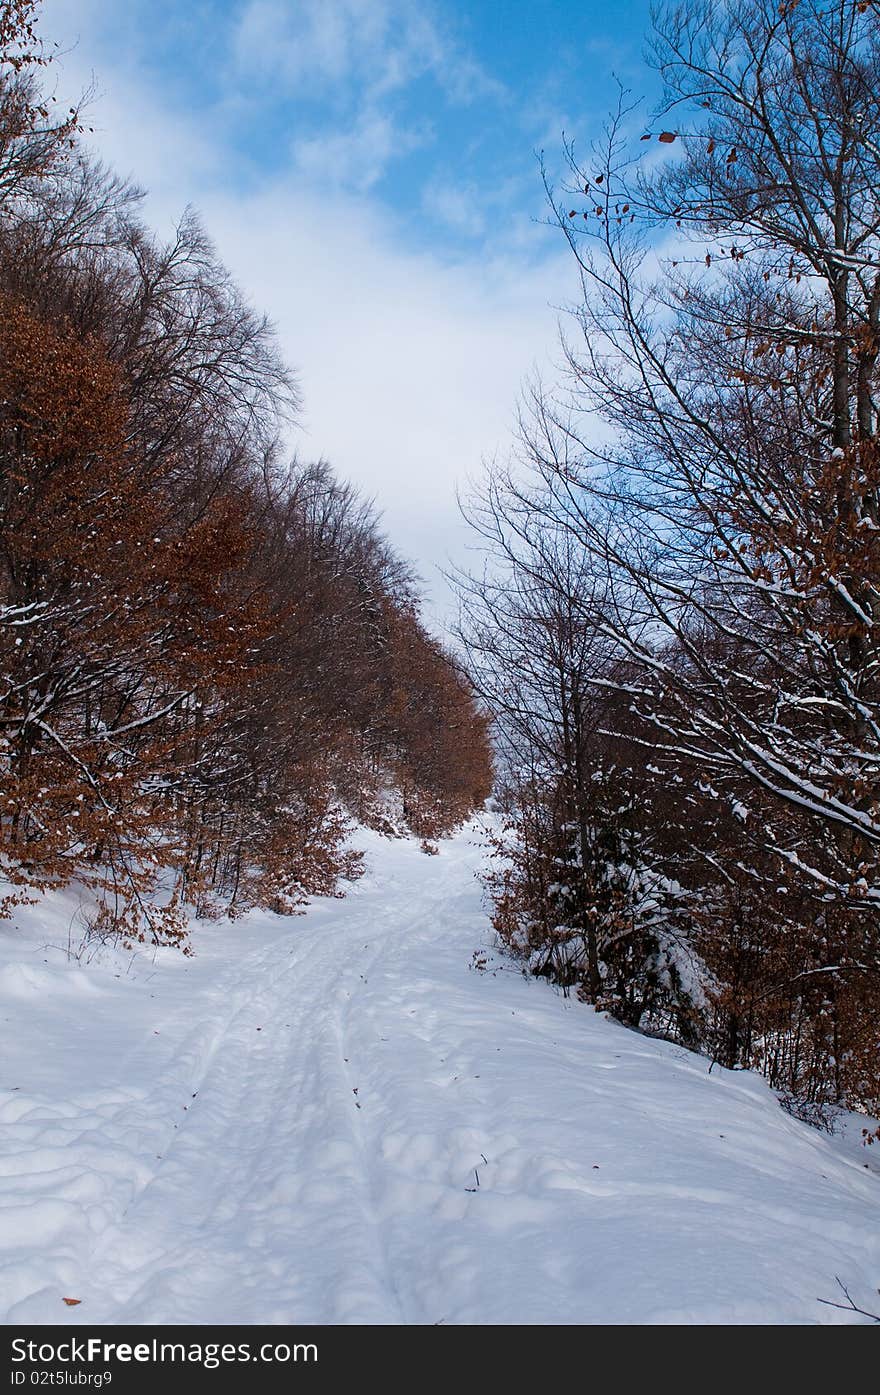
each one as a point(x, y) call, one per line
point(340, 1118)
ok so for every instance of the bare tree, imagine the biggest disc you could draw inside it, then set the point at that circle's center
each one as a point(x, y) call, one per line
point(734, 511)
point(698, 496)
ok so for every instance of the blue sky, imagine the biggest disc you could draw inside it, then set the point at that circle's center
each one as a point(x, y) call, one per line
point(368, 170)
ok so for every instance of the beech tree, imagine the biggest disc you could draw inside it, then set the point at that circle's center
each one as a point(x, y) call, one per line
point(578, 885)
point(33, 137)
point(711, 458)
point(737, 505)
point(110, 624)
point(210, 660)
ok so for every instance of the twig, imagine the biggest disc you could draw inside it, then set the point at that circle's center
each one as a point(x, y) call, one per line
point(849, 1306)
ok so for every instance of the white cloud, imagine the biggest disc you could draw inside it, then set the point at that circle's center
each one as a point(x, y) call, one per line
point(316, 45)
point(128, 122)
point(356, 158)
point(410, 364)
point(410, 368)
point(309, 43)
point(461, 208)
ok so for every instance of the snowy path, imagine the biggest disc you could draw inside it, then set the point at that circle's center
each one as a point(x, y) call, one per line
point(335, 1119)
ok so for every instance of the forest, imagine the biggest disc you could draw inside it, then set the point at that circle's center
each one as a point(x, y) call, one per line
point(211, 659)
point(432, 943)
point(677, 626)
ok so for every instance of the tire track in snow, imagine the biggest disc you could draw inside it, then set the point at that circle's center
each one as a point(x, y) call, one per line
point(255, 1217)
point(618, 1180)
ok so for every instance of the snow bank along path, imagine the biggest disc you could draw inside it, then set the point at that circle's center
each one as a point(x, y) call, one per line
point(334, 1118)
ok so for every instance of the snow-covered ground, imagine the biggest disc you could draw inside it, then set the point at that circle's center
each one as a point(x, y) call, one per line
point(336, 1118)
